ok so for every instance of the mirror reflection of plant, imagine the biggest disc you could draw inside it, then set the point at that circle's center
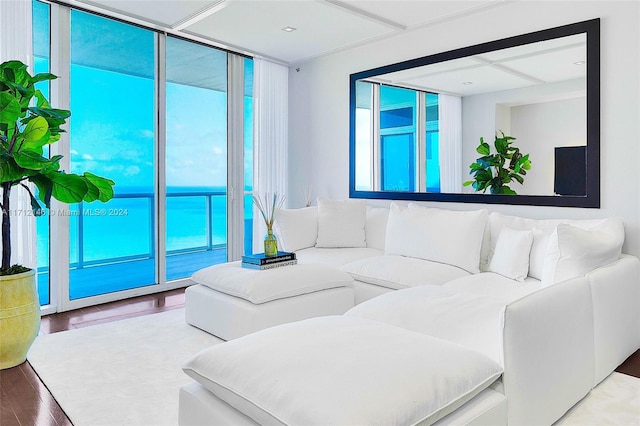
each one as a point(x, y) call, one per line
point(25, 128)
point(494, 172)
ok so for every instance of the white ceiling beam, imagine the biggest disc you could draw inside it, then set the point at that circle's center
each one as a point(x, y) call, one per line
point(205, 12)
point(364, 14)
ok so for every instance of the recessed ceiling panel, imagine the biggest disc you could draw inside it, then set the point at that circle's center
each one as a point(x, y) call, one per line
point(537, 48)
point(412, 13)
point(164, 12)
point(472, 82)
point(257, 26)
point(558, 65)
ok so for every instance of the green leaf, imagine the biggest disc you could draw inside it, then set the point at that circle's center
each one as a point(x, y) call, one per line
point(35, 205)
point(35, 130)
point(30, 160)
point(484, 175)
point(104, 186)
point(485, 162)
point(483, 148)
point(9, 109)
point(45, 187)
point(92, 192)
point(9, 170)
point(41, 100)
point(467, 183)
point(34, 161)
point(501, 145)
point(43, 76)
point(13, 71)
point(61, 114)
point(68, 188)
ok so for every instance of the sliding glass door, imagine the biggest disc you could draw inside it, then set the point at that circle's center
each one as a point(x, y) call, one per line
point(150, 112)
point(112, 134)
point(196, 157)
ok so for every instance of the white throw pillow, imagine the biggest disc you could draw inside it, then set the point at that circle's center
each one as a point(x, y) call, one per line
point(376, 226)
point(296, 229)
point(341, 223)
point(511, 255)
point(572, 251)
point(538, 253)
point(498, 220)
point(446, 236)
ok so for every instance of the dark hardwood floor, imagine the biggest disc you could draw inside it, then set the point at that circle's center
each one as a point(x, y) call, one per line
point(25, 401)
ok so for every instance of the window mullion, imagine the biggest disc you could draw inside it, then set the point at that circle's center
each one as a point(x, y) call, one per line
point(161, 161)
point(375, 139)
point(59, 222)
point(421, 142)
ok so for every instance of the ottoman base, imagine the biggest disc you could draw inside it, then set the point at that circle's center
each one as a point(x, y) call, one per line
point(229, 317)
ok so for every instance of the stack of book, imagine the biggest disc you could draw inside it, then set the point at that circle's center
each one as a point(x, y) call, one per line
point(260, 261)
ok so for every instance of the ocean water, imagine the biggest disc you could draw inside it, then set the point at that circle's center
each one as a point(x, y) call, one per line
point(124, 227)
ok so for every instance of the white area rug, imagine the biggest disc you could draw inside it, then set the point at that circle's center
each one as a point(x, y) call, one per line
point(129, 373)
point(121, 373)
point(615, 402)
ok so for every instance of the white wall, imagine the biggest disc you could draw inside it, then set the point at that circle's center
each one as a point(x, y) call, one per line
point(564, 125)
point(319, 101)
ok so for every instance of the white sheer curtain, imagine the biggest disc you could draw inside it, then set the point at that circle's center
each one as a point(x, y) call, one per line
point(450, 126)
point(270, 135)
point(16, 44)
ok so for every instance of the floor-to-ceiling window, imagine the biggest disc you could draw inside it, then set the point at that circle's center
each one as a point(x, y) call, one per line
point(149, 111)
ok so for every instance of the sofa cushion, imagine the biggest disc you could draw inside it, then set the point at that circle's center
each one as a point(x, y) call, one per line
point(397, 272)
point(376, 226)
point(296, 229)
point(572, 251)
point(341, 223)
point(468, 319)
point(336, 256)
point(494, 285)
point(538, 252)
point(394, 376)
point(511, 254)
point(439, 235)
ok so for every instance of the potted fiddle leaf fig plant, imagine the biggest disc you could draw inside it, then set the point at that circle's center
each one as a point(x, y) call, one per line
point(495, 172)
point(27, 124)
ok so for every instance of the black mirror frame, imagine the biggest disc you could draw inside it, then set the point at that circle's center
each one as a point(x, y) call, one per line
point(591, 200)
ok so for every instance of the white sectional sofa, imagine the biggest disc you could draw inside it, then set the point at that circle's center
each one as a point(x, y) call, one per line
point(462, 317)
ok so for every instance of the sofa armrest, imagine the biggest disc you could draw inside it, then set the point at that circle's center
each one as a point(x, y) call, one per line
point(548, 352)
point(615, 289)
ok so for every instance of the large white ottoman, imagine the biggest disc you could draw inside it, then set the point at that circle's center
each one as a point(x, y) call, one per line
point(229, 301)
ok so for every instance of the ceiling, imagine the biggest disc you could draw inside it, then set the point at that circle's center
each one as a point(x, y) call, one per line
point(255, 27)
point(550, 61)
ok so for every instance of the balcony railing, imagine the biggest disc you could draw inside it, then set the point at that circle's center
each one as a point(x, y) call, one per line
point(208, 196)
point(107, 267)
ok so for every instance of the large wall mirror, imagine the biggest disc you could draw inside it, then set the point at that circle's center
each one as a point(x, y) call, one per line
point(415, 126)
